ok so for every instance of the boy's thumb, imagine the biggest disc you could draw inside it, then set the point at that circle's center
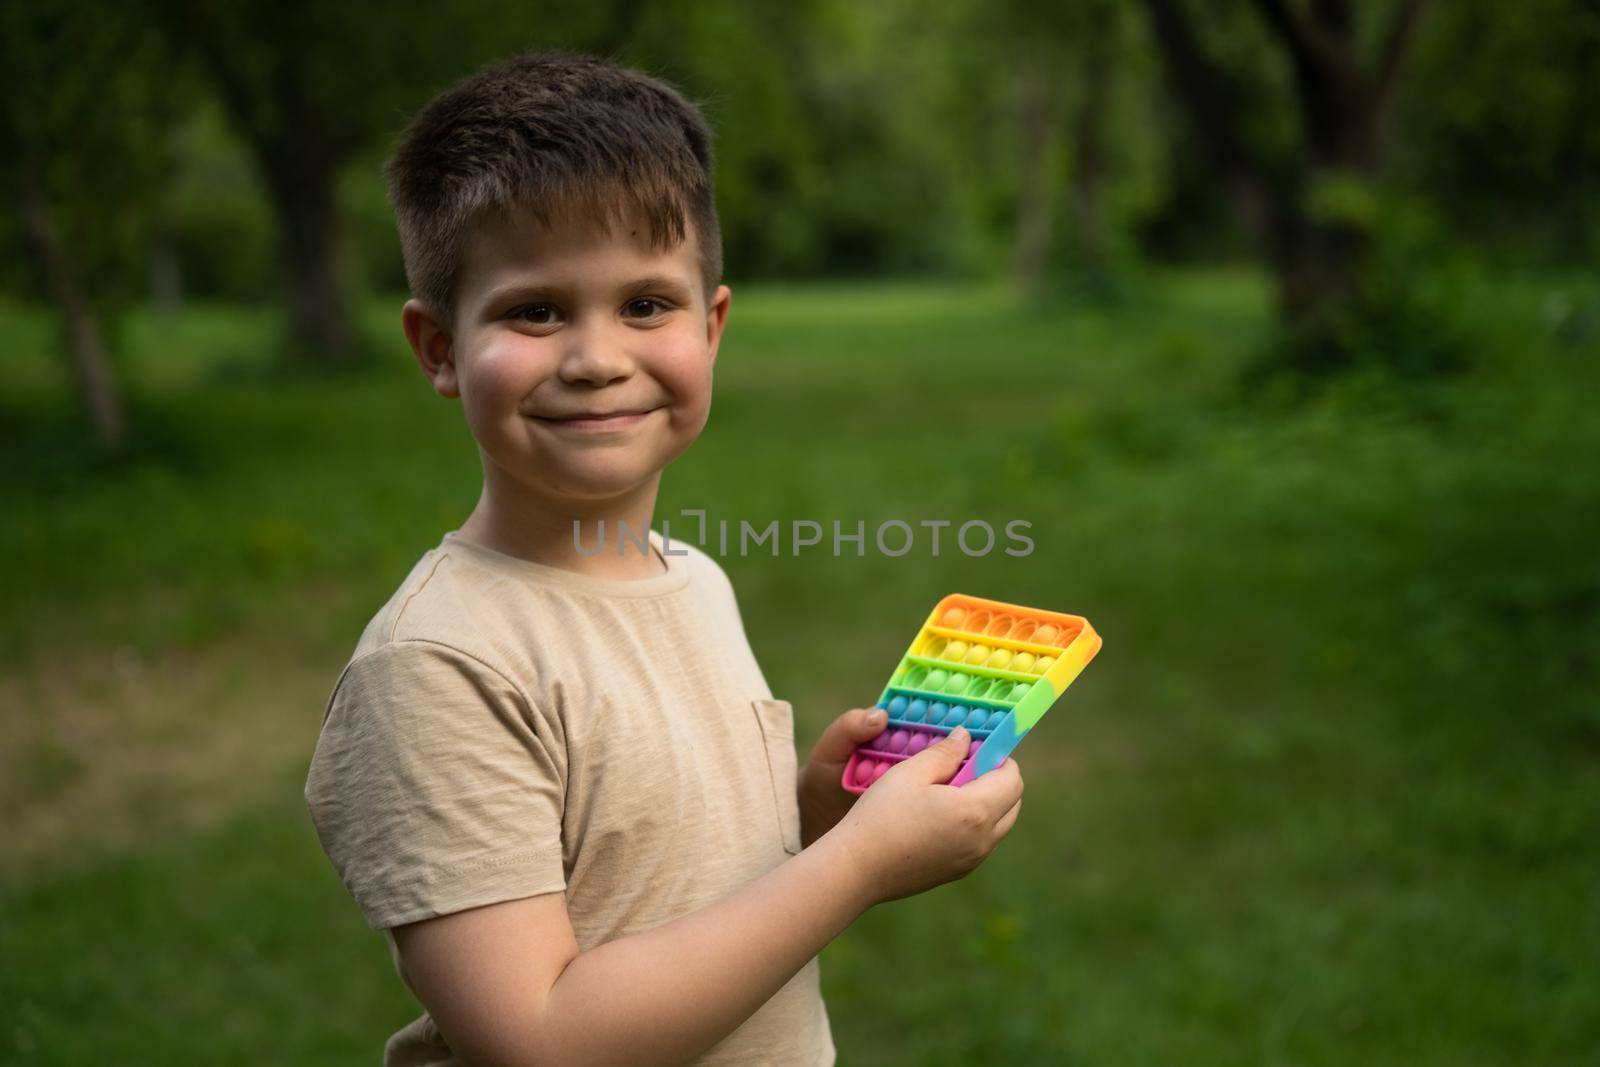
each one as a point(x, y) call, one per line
point(939, 762)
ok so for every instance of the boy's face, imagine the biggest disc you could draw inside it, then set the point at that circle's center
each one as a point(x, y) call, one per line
point(582, 357)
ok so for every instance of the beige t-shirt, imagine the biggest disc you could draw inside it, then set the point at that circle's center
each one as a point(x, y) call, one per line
point(506, 729)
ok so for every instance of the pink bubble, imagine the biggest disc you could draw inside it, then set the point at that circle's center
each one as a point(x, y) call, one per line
point(863, 771)
point(880, 770)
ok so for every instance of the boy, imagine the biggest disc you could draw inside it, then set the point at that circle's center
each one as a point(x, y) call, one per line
point(557, 779)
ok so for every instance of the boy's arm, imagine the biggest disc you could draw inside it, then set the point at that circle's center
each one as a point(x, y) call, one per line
point(508, 987)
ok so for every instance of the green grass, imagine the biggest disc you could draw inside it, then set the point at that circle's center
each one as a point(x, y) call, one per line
point(1329, 794)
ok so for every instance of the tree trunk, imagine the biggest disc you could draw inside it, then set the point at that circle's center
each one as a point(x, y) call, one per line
point(1035, 185)
point(97, 386)
point(1089, 153)
point(166, 275)
point(1319, 260)
point(303, 190)
point(1316, 259)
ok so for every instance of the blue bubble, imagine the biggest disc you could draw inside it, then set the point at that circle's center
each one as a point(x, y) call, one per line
point(977, 718)
point(917, 711)
point(937, 711)
point(897, 706)
point(996, 719)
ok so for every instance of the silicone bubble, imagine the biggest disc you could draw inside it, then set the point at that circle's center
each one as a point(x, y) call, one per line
point(953, 618)
point(1043, 663)
point(897, 706)
point(956, 683)
point(995, 719)
point(977, 622)
point(978, 719)
point(1045, 634)
point(937, 711)
point(917, 711)
point(1000, 659)
point(979, 687)
point(915, 677)
point(955, 651)
point(1024, 630)
point(977, 654)
point(898, 740)
point(1022, 661)
point(880, 770)
point(863, 771)
point(918, 742)
point(935, 681)
point(1018, 691)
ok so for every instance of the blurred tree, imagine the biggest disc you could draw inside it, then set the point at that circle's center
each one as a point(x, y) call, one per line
point(89, 101)
point(1056, 70)
point(307, 85)
point(1063, 60)
point(310, 86)
point(1310, 195)
point(1090, 155)
point(1038, 69)
point(1511, 152)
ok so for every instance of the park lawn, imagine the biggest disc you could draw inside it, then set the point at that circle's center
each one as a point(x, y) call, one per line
point(1329, 794)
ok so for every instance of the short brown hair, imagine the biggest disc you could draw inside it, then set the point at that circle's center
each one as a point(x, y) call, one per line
point(550, 132)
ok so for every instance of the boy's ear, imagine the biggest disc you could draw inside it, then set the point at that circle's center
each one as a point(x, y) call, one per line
point(717, 317)
point(433, 347)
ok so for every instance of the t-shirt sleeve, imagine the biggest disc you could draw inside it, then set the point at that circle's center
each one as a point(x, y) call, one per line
point(435, 785)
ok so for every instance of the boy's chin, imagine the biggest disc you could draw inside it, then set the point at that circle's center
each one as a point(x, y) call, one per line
point(593, 484)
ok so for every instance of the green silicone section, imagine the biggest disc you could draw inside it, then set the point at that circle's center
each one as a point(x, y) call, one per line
point(1031, 708)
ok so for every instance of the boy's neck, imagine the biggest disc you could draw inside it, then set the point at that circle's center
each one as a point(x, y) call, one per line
point(511, 520)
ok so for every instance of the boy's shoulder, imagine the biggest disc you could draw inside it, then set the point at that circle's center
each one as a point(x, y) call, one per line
point(432, 603)
point(491, 606)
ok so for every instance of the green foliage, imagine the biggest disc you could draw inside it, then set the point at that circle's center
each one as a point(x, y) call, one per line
point(91, 90)
point(1498, 123)
point(216, 213)
point(1415, 312)
point(853, 140)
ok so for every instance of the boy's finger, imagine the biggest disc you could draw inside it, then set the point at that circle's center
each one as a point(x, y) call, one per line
point(1008, 820)
point(842, 735)
point(999, 789)
point(939, 762)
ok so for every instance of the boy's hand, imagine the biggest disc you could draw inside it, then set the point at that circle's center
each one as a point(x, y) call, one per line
point(910, 832)
point(823, 799)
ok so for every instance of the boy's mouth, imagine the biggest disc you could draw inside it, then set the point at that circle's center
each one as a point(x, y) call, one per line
point(591, 421)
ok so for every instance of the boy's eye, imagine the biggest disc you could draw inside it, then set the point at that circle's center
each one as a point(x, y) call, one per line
point(535, 314)
point(644, 308)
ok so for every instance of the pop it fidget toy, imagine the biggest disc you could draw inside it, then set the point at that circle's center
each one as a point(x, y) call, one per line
point(991, 667)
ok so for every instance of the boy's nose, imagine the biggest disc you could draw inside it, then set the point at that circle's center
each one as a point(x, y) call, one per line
point(591, 359)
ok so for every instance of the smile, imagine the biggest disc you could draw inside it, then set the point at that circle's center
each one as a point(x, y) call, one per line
point(600, 422)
